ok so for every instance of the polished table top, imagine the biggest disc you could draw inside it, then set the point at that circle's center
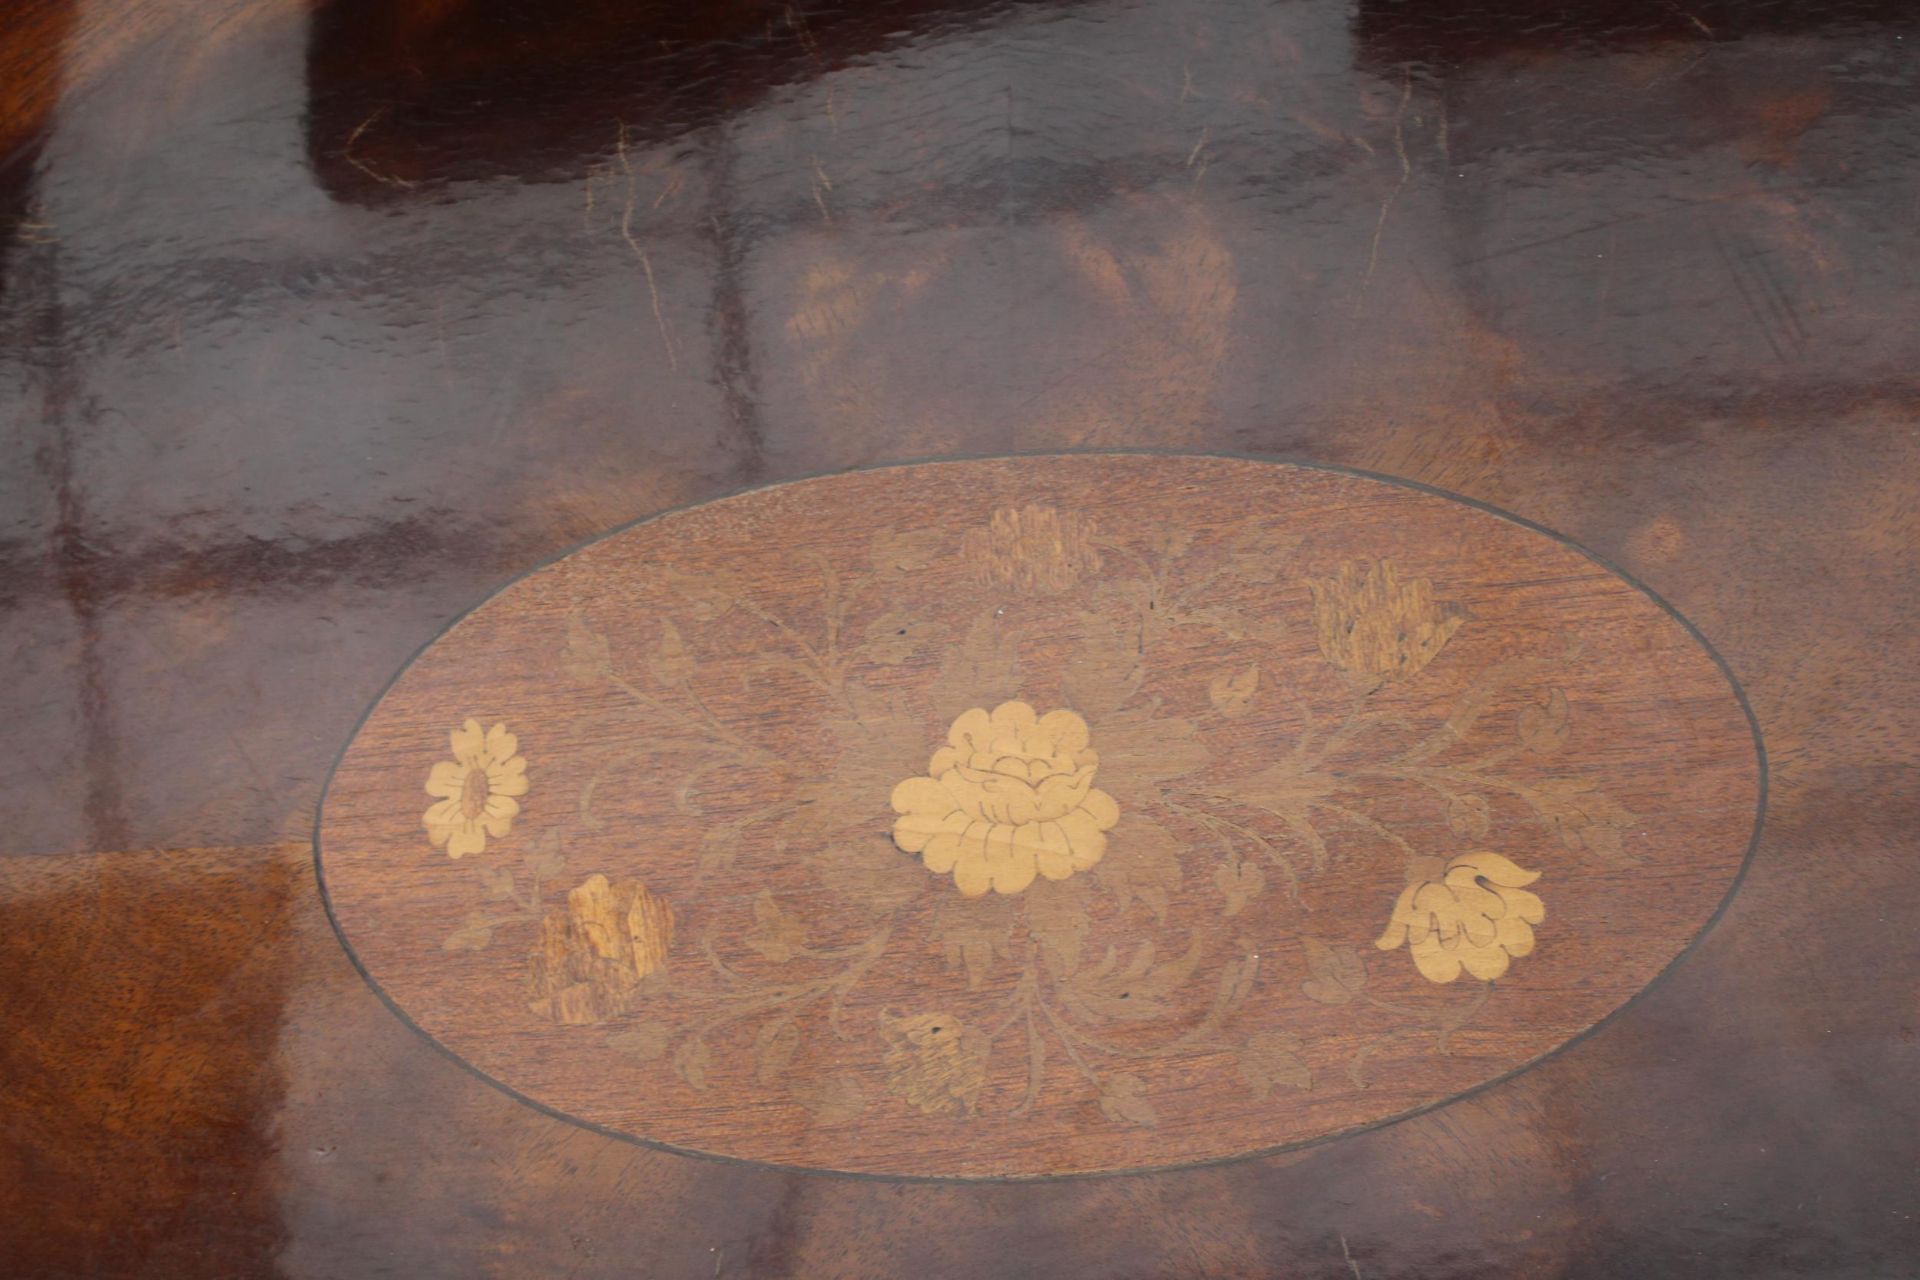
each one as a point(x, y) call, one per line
point(324, 321)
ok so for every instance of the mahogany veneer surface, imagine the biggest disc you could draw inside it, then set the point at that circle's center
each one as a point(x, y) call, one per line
point(321, 323)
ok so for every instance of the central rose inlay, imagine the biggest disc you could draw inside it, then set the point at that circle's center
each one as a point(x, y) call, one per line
point(1010, 796)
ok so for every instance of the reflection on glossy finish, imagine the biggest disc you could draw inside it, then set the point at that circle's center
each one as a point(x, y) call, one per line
point(303, 348)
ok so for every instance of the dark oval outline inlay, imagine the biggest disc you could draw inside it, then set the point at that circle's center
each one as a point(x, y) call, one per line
point(1762, 775)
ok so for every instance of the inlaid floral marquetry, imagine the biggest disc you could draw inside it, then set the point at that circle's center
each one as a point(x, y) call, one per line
point(1035, 816)
point(1009, 797)
point(476, 790)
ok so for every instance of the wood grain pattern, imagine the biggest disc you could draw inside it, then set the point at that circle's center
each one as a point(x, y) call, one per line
point(774, 853)
point(322, 318)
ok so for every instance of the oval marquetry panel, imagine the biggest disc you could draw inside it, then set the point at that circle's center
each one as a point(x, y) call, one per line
point(1038, 815)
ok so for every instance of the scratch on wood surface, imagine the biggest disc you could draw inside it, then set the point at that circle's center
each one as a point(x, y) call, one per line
point(1767, 301)
point(653, 289)
point(1198, 147)
point(821, 185)
point(1386, 206)
point(797, 23)
point(1678, 71)
point(346, 152)
point(1527, 246)
point(1700, 26)
point(646, 263)
point(672, 189)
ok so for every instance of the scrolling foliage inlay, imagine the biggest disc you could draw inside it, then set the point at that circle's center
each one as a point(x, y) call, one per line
point(1005, 832)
